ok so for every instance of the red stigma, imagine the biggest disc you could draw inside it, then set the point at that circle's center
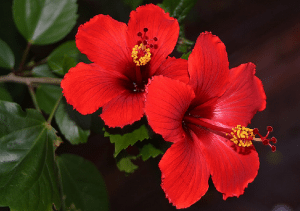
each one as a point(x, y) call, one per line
point(265, 140)
point(149, 43)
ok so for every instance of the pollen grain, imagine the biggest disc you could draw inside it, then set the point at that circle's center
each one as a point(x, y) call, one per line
point(242, 136)
point(141, 54)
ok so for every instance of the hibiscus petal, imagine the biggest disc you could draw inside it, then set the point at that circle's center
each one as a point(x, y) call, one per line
point(173, 68)
point(184, 172)
point(103, 40)
point(232, 168)
point(208, 68)
point(88, 87)
point(243, 98)
point(167, 100)
point(159, 25)
point(124, 109)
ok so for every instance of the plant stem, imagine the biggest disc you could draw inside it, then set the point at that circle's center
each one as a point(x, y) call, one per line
point(36, 105)
point(11, 77)
point(25, 54)
point(54, 109)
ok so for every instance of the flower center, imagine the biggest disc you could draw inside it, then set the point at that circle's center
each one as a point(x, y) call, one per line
point(242, 136)
point(239, 135)
point(141, 52)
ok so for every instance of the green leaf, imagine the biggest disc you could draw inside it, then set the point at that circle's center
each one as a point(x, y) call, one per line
point(68, 127)
point(178, 8)
point(7, 58)
point(183, 44)
point(43, 71)
point(4, 95)
point(68, 63)
point(123, 141)
point(97, 123)
point(64, 57)
point(43, 22)
point(149, 151)
point(27, 168)
point(46, 96)
point(186, 55)
point(133, 3)
point(83, 186)
point(126, 165)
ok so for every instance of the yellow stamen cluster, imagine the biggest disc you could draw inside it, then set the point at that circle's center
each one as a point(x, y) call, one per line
point(143, 59)
point(242, 136)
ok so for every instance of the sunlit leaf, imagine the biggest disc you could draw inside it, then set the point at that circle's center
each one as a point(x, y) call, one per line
point(43, 22)
point(148, 151)
point(186, 55)
point(7, 58)
point(123, 141)
point(65, 119)
point(27, 168)
point(47, 95)
point(83, 186)
point(64, 57)
point(126, 165)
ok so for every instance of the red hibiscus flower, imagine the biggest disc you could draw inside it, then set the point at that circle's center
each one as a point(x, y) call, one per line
point(124, 58)
point(206, 122)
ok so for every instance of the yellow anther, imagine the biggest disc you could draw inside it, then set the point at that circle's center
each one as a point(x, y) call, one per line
point(141, 54)
point(242, 136)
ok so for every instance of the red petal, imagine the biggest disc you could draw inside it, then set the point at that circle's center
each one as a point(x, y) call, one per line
point(103, 40)
point(173, 68)
point(232, 168)
point(243, 98)
point(159, 25)
point(208, 68)
point(167, 101)
point(88, 87)
point(124, 109)
point(184, 172)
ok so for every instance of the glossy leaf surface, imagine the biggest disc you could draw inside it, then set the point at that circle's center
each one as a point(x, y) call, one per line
point(27, 169)
point(43, 71)
point(7, 58)
point(43, 22)
point(64, 57)
point(65, 119)
point(83, 185)
point(178, 8)
point(47, 95)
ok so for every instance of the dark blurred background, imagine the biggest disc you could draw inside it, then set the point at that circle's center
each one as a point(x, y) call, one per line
point(266, 33)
